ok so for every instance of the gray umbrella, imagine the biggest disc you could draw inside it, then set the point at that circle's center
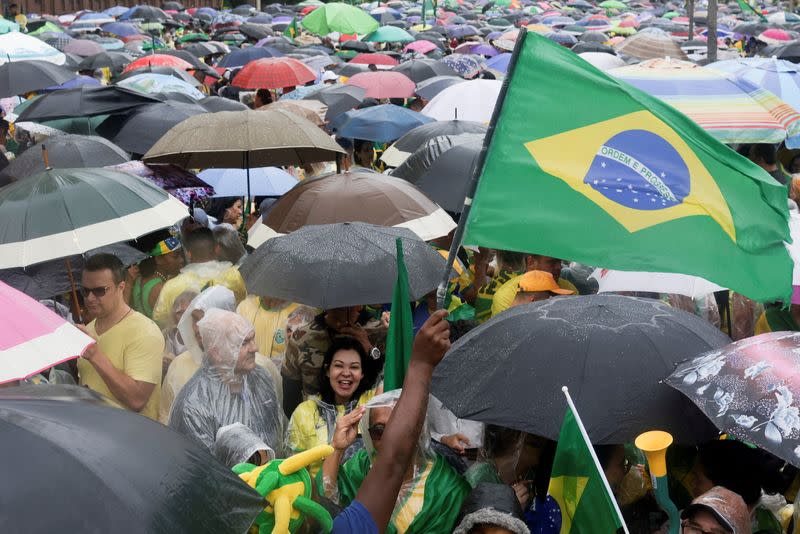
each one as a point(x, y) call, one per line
point(611, 351)
point(416, 138)
point(20, 77)
point(339, 98)
point(337, 265)
point(66, 151)
point(431, 87)
point(218, 103)
point(63, 212)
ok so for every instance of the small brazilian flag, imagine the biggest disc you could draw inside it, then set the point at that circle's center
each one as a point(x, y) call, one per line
point(291, 30)
point(578, 486)
point(746, 7)
point(587, 168)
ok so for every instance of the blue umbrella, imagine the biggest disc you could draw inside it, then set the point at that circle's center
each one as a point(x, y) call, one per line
point(461, 30)
point(264, 181)
point(467, 66)
point(777, 76)
point(206, 10)
point(115, 11)
point(80, 81)
point(302, 92)
point(383, 123)
point(122, 29)
point(499, 63)
point(243, 56)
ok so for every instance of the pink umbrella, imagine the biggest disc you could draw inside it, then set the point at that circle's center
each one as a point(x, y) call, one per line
point(33, 337)
point(423, 47)
point(774, 36)
point(83, 47)
point(384, 84)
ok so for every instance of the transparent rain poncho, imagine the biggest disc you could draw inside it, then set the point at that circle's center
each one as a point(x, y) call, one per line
point(236, 443)
point(228, 388)
point(186, 364)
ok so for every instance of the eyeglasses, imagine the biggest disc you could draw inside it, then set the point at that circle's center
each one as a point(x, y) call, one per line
point(376, 432)
point(96, 291)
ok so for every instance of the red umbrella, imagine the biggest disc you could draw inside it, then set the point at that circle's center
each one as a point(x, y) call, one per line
point(308, 9)
point(384, 84)
point(376, 59)
point(158, 60)
point(274, 73)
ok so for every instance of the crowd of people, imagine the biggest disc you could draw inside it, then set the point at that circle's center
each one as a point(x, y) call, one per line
point(179, 339)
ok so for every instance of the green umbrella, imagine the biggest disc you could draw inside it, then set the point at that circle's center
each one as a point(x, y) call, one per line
point(670, 15)
point(6, 26)
point(338, 17)
point(500, 22)
point(64, 212)
point(624, 31)
point(147, 26)
point(193, 38)
point(389, 34)
point(612, 4)
point(574, 28)
point(73, 125)
point(47, 27)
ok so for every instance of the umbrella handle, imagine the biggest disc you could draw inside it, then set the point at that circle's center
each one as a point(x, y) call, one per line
point(46, 159)
point(76, 306)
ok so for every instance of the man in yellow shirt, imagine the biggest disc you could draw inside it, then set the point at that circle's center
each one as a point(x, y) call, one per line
point(125, 363)
point(202, 271)
point(505, 294)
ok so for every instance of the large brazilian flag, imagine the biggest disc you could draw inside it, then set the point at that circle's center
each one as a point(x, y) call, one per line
point(585, 167)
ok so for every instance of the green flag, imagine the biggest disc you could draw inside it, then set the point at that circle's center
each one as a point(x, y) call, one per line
point(747, 8)
point(291, 30)
point(400, 336)
point(578, 485)
point(584, 167)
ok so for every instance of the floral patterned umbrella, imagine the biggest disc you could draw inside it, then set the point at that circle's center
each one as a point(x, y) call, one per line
point(751, 390)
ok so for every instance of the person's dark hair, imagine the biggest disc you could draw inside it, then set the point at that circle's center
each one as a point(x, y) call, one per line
point(12, 6)
point(360, 144)
point(461, 327)
point(368, 367)
point(733, 465)
point(765, 152)
point(509, 257)
point(4, 126)
point(101, 262)
point(200, 240)
point(218, 206)
point(147, 267)
point(265, 96)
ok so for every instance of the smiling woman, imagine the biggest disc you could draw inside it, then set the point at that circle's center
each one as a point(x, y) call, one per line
point(346, 380)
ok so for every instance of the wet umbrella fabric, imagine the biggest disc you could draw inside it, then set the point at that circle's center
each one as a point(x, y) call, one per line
point(749, 389)
point(382, 123)
point(431, 87)
point(123, 467)
point(66, 151)
point(21, 77)
point(83, 101)
point(63, 212)
point(611, 351)
point(416, 138)
point(359, 265)
point(422, 69)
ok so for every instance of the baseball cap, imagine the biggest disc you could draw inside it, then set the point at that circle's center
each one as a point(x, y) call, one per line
point(541, 281)
point(726, 506)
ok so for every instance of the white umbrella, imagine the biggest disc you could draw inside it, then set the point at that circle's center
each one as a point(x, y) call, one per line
point(680, 284)
point(16, 46)
point(470, 101)
point(602, 61)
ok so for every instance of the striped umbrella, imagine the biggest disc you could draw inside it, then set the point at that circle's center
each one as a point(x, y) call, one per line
point(16, 46)
point(650, 44)
point(780, 77)
point(63, 212)
point(731, 109)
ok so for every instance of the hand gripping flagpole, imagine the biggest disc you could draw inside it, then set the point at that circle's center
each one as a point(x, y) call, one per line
point(441, 290)
point(597, 465)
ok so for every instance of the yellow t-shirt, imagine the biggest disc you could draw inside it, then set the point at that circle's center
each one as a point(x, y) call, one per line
point(270, 325)
point(135, 347)
point(505, 294)
point(183, 368)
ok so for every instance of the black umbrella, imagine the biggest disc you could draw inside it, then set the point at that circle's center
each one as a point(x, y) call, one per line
point(358, 46)
point(422, 69)
point(339, 98)
point(218, 103)
point(105, 467)
point(351, 69)
point(582, 47)
point(593, 37)
point(338, 265)
point(66, 151)
point(200, 49)
point(193, 60)
point(611, 351)
point(416, 138)
point(138, 130)
point(112, 60)
point(148, 13)
point(172, 6)
point(83, 101)
point(20, 77)
point(431, 87)
point(256, 31)
point(49, 279)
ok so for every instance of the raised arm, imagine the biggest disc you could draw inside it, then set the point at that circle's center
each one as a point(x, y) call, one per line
point(379, 490)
